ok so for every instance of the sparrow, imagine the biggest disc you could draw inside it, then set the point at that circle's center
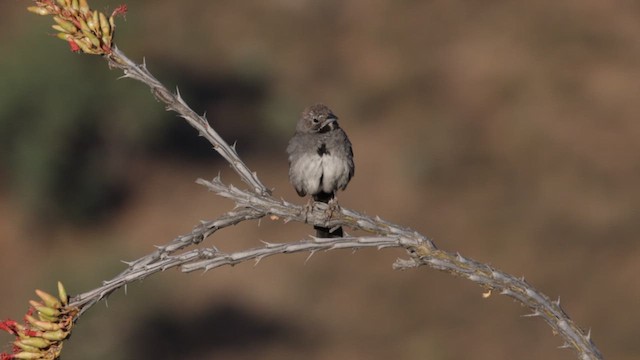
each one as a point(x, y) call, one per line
point(320, 160)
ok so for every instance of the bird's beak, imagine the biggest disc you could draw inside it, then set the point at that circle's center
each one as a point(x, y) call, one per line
point(329, 123)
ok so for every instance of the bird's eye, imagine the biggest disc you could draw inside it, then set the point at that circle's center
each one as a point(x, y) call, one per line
point(315, 120)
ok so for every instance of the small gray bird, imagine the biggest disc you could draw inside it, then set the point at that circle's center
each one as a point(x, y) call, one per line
point(320, 159)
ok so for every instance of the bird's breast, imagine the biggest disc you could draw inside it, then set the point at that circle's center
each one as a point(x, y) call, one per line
point(322, 173)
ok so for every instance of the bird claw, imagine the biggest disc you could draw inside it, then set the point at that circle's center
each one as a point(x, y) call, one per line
point(332, 208)
point(308, 207)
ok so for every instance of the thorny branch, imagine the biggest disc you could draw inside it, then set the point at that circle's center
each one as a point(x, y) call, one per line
point(175, 103)
point(257, 203)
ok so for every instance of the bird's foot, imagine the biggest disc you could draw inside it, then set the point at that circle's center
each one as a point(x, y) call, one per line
point(308, 207)
point(332, 207)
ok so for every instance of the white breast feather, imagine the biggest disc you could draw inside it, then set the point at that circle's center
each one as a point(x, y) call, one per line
point(333, 170)
point(312, 170)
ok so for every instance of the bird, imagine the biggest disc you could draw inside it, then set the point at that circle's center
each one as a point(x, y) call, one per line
point(320, 160)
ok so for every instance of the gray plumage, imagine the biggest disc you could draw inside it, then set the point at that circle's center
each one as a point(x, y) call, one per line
point(320, 158)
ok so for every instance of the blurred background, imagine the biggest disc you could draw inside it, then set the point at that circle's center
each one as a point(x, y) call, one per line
point(505, 130)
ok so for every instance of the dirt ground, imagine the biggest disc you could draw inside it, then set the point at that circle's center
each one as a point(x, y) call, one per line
point(506, 131)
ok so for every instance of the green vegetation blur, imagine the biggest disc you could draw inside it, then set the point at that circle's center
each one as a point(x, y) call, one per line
point(68, 126)
point(64, 122)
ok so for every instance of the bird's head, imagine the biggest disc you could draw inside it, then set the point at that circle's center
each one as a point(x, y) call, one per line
point(317, 118)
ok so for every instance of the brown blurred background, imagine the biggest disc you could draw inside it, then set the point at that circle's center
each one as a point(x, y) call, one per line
point(505, 130)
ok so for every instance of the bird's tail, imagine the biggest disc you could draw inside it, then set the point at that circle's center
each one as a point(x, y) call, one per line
point(321, 231)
